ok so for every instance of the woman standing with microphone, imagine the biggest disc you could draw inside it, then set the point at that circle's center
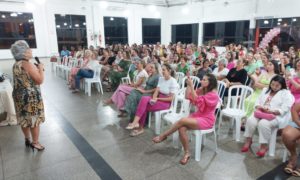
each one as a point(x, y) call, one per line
point(27, 94)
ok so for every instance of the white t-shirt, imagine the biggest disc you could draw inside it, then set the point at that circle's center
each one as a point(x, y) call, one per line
point(92, 64)
point(167, 86)
point(142, 74)
point(224, 72)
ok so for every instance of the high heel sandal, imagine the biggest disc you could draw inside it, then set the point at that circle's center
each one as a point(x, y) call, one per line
point(246, 148)
point(185, 159)
point(158, 139)
point(34, 146)
point(261, 153)
point(27, 142)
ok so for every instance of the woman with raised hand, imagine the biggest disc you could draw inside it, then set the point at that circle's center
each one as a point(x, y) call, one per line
point(206, 99)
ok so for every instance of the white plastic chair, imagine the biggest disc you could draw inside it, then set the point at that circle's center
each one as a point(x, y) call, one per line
point(172, 116)
point(96, 79)
point(196, 82)
point(235, 108)
point(221, 91)
point(179, 77)
point(126, 80)
point(158, 114)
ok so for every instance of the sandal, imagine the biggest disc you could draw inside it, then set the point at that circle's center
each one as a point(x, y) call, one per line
point(185, 158)
point(158, 139)
point(136, 132)
point(132, 126)
point(289, 168)
point(37, 146)
point(296, 172)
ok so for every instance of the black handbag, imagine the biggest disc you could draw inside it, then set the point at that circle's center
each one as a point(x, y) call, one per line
point(2, 78)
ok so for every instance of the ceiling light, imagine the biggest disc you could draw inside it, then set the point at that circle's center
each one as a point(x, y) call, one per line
point(58, 26)
point(294, 19)
point(76, 25)
point(13, 14)
point(112, 19)
point(152, 8)
point(279, 20)
point(84, 23)
point(266, 22)
point(3, 16)
point(70, 26)
point(19, 13)
point(278, 24)
point(65, 24)
point(103, 4)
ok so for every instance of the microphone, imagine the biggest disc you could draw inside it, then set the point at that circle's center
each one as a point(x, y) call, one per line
point(38, 62)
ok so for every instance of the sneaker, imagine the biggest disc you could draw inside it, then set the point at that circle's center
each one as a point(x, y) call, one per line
point(4, 123)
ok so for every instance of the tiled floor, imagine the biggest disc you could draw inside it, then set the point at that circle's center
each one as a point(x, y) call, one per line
point(70, 117)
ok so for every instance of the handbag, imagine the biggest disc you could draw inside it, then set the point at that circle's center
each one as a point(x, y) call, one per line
point(263, 115)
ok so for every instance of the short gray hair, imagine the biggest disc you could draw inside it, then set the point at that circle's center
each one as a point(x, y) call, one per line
point(223, 61)
point(18, 49)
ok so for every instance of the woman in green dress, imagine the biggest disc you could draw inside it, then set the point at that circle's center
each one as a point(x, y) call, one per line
point(135, 95)
point(183, 66)
point(120, 71)
point(261, 82)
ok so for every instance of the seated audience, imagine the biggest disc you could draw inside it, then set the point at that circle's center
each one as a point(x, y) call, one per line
point(135, 95)
point(119, 96)
point(160, 100)
point(86, 71)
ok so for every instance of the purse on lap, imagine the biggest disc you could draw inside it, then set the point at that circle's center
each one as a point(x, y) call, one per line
point(263, 115)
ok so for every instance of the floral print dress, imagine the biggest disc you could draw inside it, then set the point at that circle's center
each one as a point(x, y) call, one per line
point(27, 97)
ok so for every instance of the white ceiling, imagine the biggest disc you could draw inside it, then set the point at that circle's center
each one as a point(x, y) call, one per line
point(166, 3)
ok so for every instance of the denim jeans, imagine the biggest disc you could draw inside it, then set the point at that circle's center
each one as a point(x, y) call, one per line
point(83, 73)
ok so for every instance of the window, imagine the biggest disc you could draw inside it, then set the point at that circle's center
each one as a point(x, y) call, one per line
point(115, 30)
point(16, 26)
point(185, 33)
point(70, 30)
point(151, 30)
point(226, 32)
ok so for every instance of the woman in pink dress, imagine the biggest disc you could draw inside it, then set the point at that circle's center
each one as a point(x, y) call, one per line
point(206, 99)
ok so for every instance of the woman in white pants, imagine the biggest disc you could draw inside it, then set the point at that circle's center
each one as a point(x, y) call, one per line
point(274, 106)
